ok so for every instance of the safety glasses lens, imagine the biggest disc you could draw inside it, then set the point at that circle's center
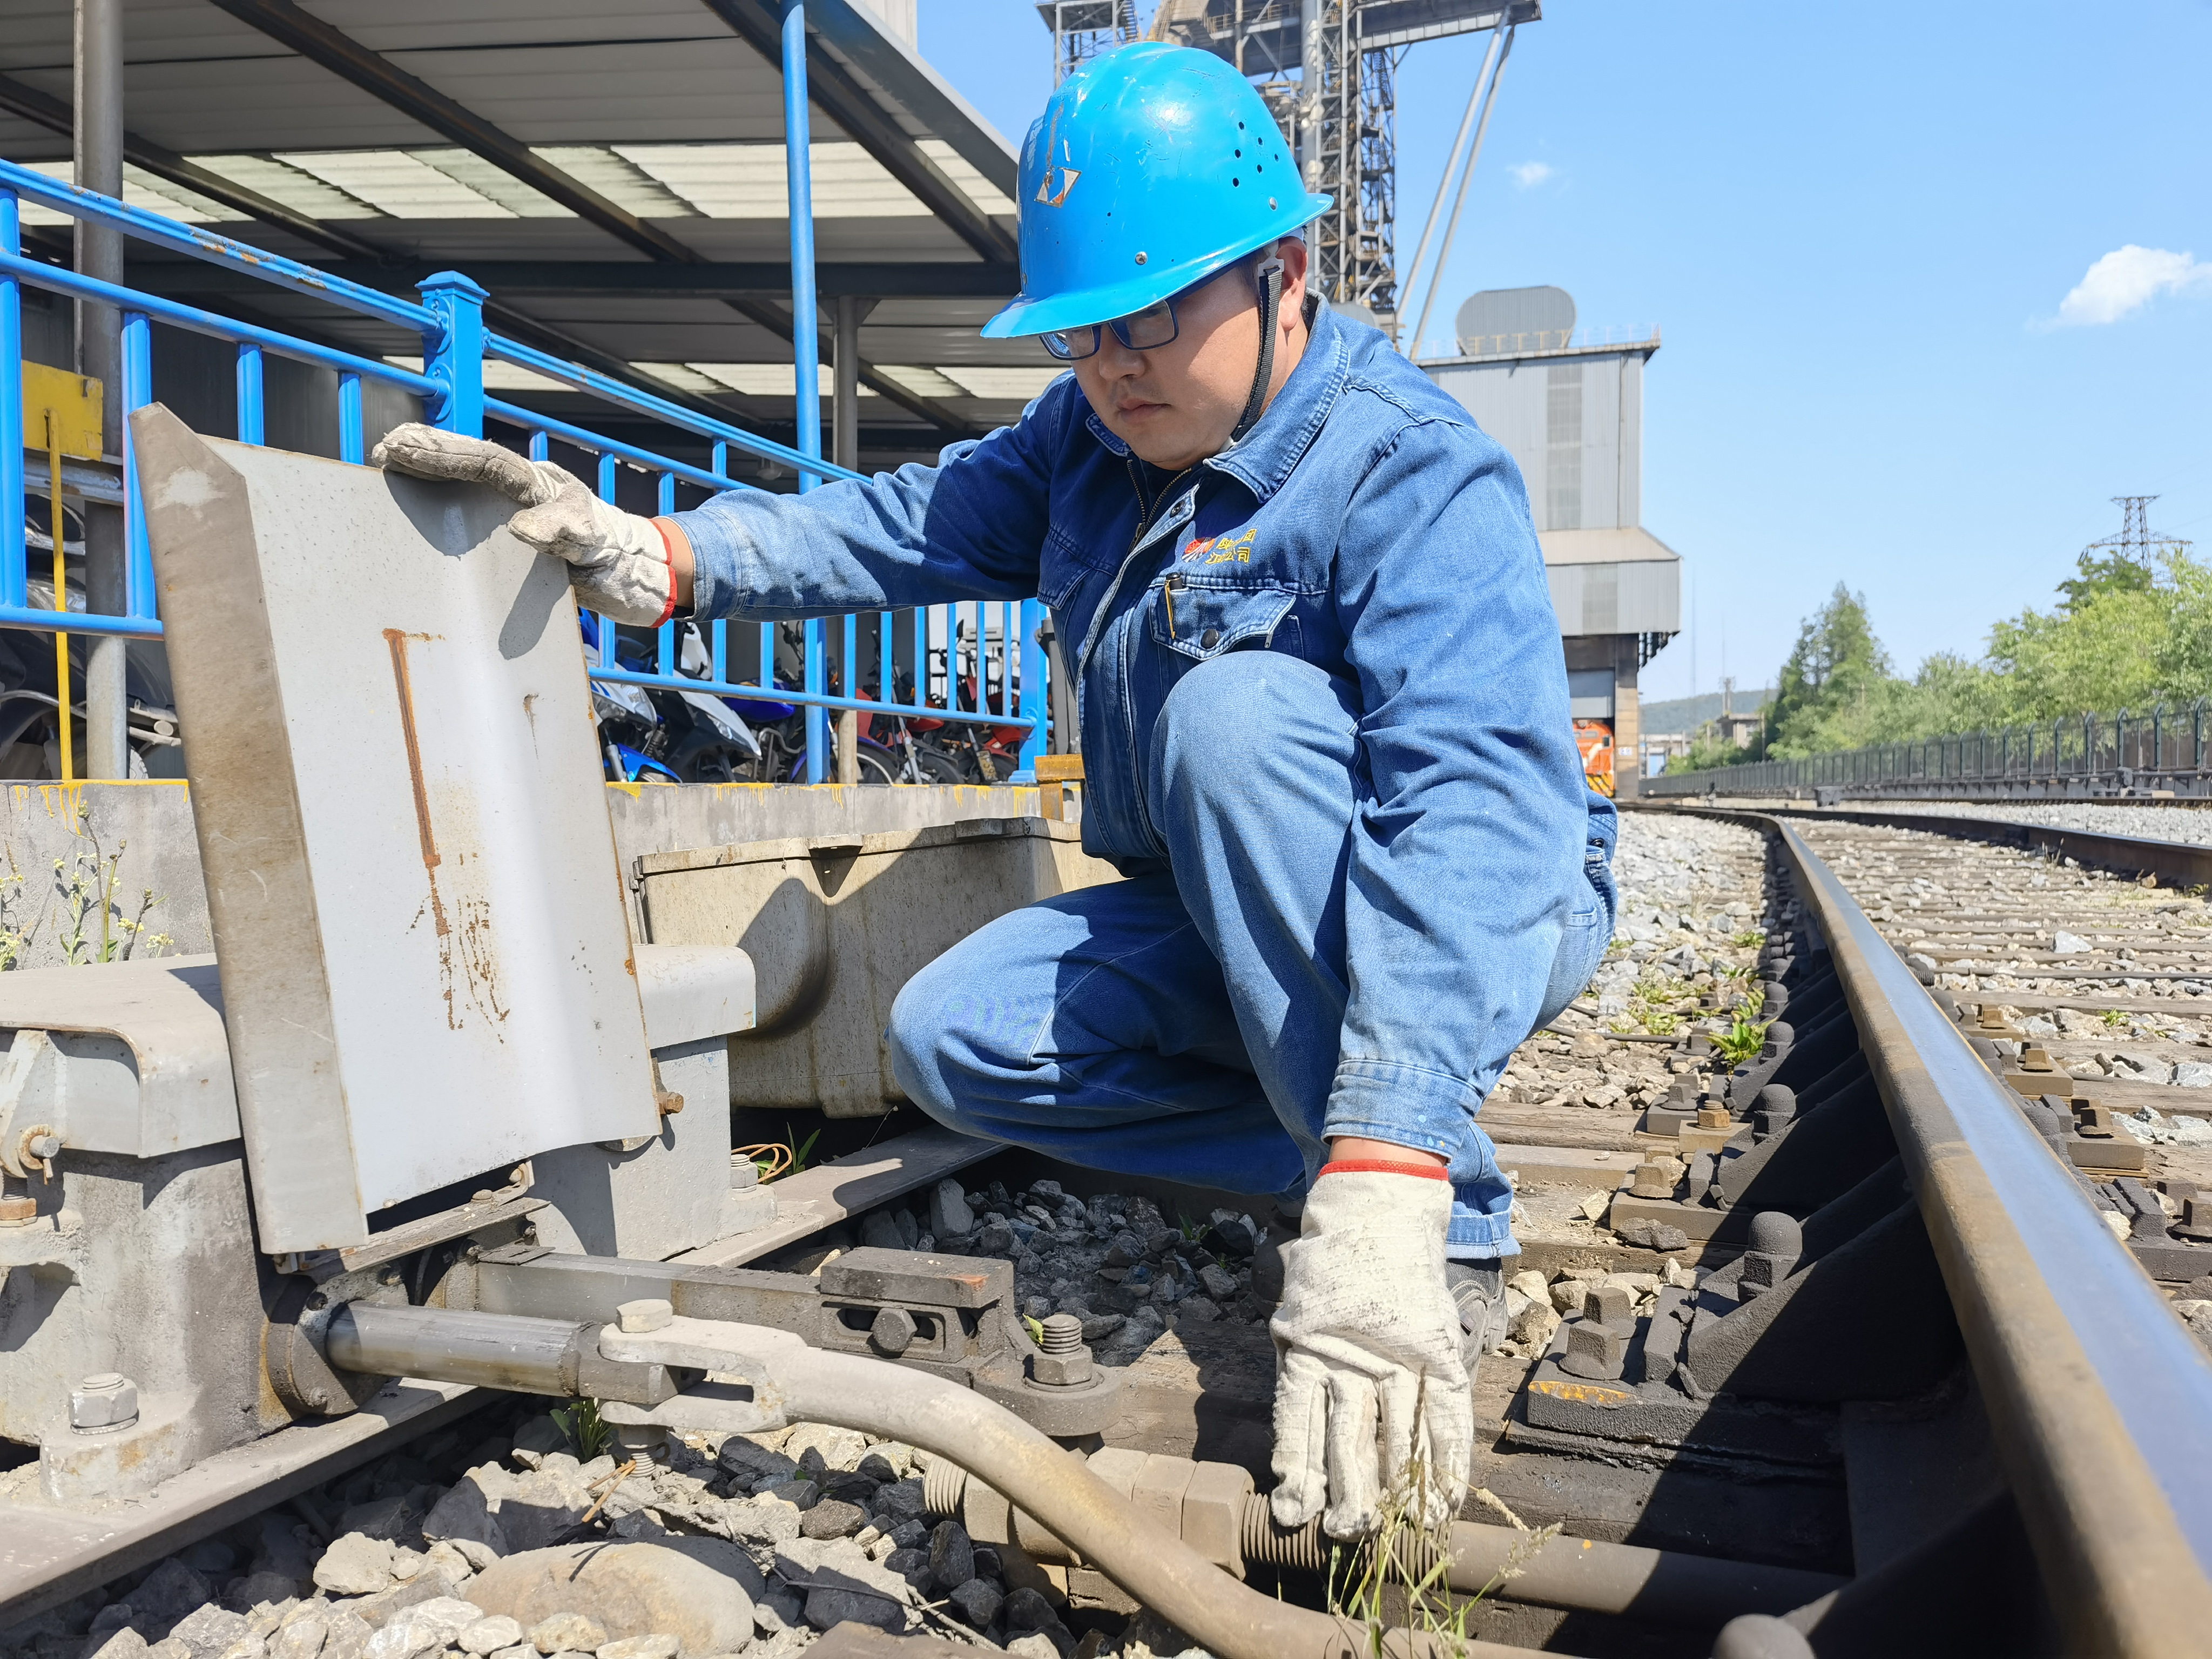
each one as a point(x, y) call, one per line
point(1072, 343)
point(1143, 330)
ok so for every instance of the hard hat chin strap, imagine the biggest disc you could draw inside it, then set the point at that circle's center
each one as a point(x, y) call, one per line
point(1271, 300)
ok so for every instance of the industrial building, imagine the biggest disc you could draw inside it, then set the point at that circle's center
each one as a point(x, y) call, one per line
point(1568, 404)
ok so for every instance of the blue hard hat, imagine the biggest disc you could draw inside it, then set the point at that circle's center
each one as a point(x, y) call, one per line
point(1152, 167)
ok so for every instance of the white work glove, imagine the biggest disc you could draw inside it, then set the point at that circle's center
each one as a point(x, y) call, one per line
point(1366, 1327)
point(619, 562)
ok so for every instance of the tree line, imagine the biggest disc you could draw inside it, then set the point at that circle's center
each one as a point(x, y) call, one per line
point(2125, 633)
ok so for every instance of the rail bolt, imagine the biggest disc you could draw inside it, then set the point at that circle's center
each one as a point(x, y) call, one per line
point(1063, 1361)
point(892, 1333)
point(104, 1401)
point(1062, 1370)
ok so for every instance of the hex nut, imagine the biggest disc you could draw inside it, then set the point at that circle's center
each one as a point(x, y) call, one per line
point(893, 1332)
point(103, 1402)
point(18, 1212)
point(1062, 1370)
point(1653, 1180)
point(1213, 1507)
point(1607, 1305)
point(647, 1314)
point(1597, 1352)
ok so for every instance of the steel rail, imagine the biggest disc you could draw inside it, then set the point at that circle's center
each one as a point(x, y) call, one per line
point(2175, 863)
point(2100, 1401)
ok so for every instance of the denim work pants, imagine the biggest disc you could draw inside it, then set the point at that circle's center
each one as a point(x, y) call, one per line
point(1183, 1023)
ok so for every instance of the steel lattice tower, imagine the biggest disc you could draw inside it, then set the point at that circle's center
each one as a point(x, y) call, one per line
point(2136, 540)
point(1083, 28)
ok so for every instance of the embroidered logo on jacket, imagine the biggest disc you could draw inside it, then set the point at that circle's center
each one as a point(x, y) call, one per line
point(1221, 550)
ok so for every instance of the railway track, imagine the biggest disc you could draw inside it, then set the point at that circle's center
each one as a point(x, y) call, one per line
point(2063, 1222)
point(1841, 1346)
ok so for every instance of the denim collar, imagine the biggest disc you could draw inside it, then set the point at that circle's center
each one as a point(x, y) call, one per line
point(1262, 462)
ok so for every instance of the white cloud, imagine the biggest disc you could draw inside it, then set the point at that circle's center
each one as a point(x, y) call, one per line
point(2129, 278)
point(1529, 175)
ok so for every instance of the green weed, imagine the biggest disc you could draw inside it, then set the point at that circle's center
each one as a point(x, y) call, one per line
point(587, 1433)
point(800, 1151)
point(1399, 1576)
point(91, 926)
point(1743, 1039)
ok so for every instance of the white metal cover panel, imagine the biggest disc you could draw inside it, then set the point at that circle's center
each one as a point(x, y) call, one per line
point(426, 966)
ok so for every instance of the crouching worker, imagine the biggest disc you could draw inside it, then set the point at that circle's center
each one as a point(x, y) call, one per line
point(1324, 728)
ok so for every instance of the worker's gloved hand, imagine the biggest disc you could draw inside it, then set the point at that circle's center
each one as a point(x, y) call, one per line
point(619, 562)
point(1367, 1329)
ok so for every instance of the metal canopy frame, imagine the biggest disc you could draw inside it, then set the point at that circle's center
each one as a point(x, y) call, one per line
point(352, 322)
point(881, 96)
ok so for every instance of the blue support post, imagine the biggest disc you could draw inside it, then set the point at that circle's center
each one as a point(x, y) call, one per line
point(884, 688)
point(806, 336)
point(607, 474)
point(138, 393)
point(12, 547)
point(250, 421)
point(665, 636)
point(452, 354)
point(718, 632)
point(351, 437)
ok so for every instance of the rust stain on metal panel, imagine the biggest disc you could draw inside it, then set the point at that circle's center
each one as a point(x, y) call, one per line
point(478, 966)
point(398, 643)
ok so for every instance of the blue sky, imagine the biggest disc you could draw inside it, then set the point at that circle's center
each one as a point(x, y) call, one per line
point(1857, 236)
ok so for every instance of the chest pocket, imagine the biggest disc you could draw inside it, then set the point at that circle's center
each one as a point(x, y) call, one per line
point(1203, 619)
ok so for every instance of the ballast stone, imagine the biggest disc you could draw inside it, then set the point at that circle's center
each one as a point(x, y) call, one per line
point(563, 1633)
point(488, 1635)
point(699, 1589)
point(354, 1565)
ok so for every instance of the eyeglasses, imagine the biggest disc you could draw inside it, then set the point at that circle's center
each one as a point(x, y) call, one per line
point(1140, 330)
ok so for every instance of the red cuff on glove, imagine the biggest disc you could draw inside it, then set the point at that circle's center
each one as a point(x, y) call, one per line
point(669, 548)
point(1378, 1166)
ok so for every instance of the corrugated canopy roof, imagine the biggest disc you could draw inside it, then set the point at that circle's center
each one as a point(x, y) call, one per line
point(614, 174)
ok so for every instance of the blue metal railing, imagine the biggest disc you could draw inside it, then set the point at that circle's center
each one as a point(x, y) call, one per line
point(455, 348)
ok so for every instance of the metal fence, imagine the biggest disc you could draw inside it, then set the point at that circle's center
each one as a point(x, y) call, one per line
point(455, 346)
point(2160, 751)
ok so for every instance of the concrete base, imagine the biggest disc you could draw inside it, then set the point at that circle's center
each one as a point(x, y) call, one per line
point(1719, 1226)
point(146, 827)
point(1658, 1414)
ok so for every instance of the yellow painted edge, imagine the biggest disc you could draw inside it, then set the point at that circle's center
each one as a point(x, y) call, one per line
point(1584, 1394)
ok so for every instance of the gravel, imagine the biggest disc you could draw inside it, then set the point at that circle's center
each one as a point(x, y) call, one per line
point(1690, 907)
point(2190, 823)
point(302, 1584)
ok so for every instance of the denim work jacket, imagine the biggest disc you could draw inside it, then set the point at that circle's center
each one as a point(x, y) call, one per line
point(1365, 524)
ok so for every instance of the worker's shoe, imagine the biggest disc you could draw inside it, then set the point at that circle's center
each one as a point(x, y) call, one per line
point(1478, 1291)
